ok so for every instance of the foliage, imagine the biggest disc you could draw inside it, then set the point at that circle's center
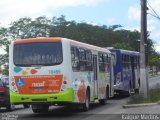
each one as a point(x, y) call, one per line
point(103, 36)
point(122, 46)
point(153, 96)
point(154, 60)
point(4, 43)
point(28, 28)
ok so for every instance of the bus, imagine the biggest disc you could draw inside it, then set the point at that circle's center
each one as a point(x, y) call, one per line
point(126, 71)
point(59, 71)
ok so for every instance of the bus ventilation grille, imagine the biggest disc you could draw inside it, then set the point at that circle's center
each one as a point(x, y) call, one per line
point(39, 100)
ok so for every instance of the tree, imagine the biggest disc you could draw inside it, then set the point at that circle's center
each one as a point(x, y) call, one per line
point(4, 43)
point(28, 28)
point(23, 28)
point(122, 46)
point(103, 36)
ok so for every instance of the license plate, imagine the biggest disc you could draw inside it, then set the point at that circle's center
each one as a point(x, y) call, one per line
point(38, 89)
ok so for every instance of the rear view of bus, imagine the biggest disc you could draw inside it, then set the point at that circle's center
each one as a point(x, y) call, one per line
point(35, 73)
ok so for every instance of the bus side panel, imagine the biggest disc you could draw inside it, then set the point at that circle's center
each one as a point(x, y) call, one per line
point(118, 73)
point(81, 79)
point(68, 65)
point(126, 71)
point(127, 75)
point(80, 82)
point(103, 77)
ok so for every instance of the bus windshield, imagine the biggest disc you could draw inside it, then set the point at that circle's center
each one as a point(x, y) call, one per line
point(38, 53)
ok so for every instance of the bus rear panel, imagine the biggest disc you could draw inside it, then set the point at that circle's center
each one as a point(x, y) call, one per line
point(36, 74)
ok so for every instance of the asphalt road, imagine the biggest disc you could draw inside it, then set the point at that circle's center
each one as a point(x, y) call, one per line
point(154, 81)
point(113, 110)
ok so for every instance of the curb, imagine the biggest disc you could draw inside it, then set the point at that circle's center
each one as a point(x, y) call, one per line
point(140, 105)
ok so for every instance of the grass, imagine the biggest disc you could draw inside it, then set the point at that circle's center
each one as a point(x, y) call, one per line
point(153, 96)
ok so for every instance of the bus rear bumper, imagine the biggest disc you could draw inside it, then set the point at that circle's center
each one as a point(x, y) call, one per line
point(61, 97)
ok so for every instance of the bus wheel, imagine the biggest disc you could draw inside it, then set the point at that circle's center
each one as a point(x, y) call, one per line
point(137, 91)
point(85, 106)
point(10, 107)
point(129, 92)
point(104, 100)
point(40, 108)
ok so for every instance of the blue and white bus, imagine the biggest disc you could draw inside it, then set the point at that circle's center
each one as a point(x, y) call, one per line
point(126, 71)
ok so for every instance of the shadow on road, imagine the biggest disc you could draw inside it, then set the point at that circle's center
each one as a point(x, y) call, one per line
point(69, 113)
point(119, 97)
point(4, 110)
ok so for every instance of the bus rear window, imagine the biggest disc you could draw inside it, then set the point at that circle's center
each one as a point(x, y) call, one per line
point(39, 53)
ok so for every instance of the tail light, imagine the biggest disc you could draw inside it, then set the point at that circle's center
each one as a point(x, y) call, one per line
point(64, 84)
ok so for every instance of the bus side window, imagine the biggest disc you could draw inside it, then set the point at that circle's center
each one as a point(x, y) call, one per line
point(72, 53)
point(75, 58)
point(101, 62)
point(123, 61)
point(82, 58)
point(89, 60)
point(106, 62)
point(128, 62)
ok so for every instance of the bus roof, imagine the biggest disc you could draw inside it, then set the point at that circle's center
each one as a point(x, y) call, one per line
point(39, 39)
point(128, 52)
point(59, 39)
point(89, 46)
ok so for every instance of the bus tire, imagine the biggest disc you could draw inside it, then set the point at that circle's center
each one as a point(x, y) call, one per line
point(85, 106)
point(10, 107)
point(40, 108)
point(129, 91)
point(137, 91)
point(108, 95)
point(139, 83)
point(104, 101)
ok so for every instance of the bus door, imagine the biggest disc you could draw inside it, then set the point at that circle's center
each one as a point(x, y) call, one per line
point(95, 72)
point(111, 64)
point(133, 72)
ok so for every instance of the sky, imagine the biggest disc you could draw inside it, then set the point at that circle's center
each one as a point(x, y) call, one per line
point(96, 12)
